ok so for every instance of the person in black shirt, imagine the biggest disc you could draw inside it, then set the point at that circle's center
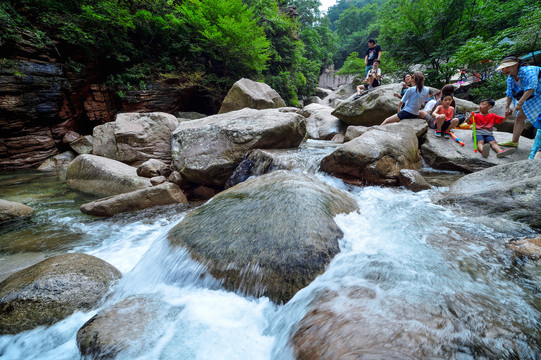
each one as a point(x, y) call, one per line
point(372, 53)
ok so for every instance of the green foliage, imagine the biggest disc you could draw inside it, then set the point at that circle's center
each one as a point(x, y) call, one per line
point(492, 88)
point(225, 34)
point(353, 65)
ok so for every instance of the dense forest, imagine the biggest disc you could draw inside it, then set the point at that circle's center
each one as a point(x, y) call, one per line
point(214, 43)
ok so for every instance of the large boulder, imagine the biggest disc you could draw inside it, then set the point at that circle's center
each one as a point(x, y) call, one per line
point(12, 210)
point(511, 190)
point(446, 154)
point(163, 194)
point(377, 156)
point(320, 124)
point(134, 138)
point(380, 319)
point(53, 289)
point(58, 162)
point(102, 176)
point(371, 108)
point(208, 150)
point(247, 93)
point(268, 236)
point(127, 328)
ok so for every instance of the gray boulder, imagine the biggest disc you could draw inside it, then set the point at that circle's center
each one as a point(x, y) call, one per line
point(208, 150)
point(412, 180)
point(371, 108)
point(53, 289)
point(247, 93)
point(320, 124)
point(102, 176)
point(511, 190)
point(134, 138)
point(447, 154)
point(151, 168)
point(268, 236)
point(376, 157)
point(353, 132)
point(162, 194)
point(58, 162)
point(82, 145)
point(12, 210)
point(128, 328)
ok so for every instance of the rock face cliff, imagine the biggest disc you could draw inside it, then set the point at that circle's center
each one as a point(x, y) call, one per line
point(43, 96)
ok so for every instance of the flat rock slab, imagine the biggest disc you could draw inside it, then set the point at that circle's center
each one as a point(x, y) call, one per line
point(447, 154)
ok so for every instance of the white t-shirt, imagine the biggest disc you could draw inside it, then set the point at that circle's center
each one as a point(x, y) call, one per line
point(373, 72)
point(429, 105)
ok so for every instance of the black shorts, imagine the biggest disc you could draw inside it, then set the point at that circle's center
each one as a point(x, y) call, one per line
point(403, 114)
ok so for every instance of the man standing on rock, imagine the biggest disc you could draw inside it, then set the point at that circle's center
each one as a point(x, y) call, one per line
point(372, 53)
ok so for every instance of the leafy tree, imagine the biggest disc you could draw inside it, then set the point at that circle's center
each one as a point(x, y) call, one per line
point(353, 66)
point(226, 35)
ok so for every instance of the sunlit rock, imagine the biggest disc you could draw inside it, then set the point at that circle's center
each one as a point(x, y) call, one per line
point(102, 176)
point(53, 289)
point(247, 93)
point(412, 180)
point(447, 154)
point(11, 210)
point(371, 108)
point(208, 150)
point(162, 194)
point(268, 236)
point(134, 138)
point(320, 124)
point(511, 190)
point(376, 157)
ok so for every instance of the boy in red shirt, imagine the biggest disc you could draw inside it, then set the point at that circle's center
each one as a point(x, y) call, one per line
point(484, 123)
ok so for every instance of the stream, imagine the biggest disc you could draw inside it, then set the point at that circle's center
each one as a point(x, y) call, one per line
point(421, 260)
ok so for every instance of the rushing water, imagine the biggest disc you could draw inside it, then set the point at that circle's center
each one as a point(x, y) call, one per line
point(415, 255)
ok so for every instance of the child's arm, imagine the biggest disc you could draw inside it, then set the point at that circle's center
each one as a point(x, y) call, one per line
point(437, 110)
point(469, 117)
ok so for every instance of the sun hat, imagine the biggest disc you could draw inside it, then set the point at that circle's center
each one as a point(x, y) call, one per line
point(507, 62)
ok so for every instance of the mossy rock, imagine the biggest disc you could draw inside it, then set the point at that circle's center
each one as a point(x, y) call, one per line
point(268, 236)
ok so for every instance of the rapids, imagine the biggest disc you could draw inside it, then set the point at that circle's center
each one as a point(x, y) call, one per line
point(418, 258)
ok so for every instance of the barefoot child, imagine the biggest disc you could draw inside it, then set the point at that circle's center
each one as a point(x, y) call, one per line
point(484, 123)
point(444, 116)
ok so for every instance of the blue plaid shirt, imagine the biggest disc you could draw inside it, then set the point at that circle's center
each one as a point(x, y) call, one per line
point(528, 78)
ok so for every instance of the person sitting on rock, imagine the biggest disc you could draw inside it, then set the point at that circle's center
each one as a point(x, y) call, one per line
point(414, 98)
point(372, 79)
point(444, 115)
point(405, 85)
point(484, 123)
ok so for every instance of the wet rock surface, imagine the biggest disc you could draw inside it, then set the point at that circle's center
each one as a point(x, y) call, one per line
point(53, 289)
